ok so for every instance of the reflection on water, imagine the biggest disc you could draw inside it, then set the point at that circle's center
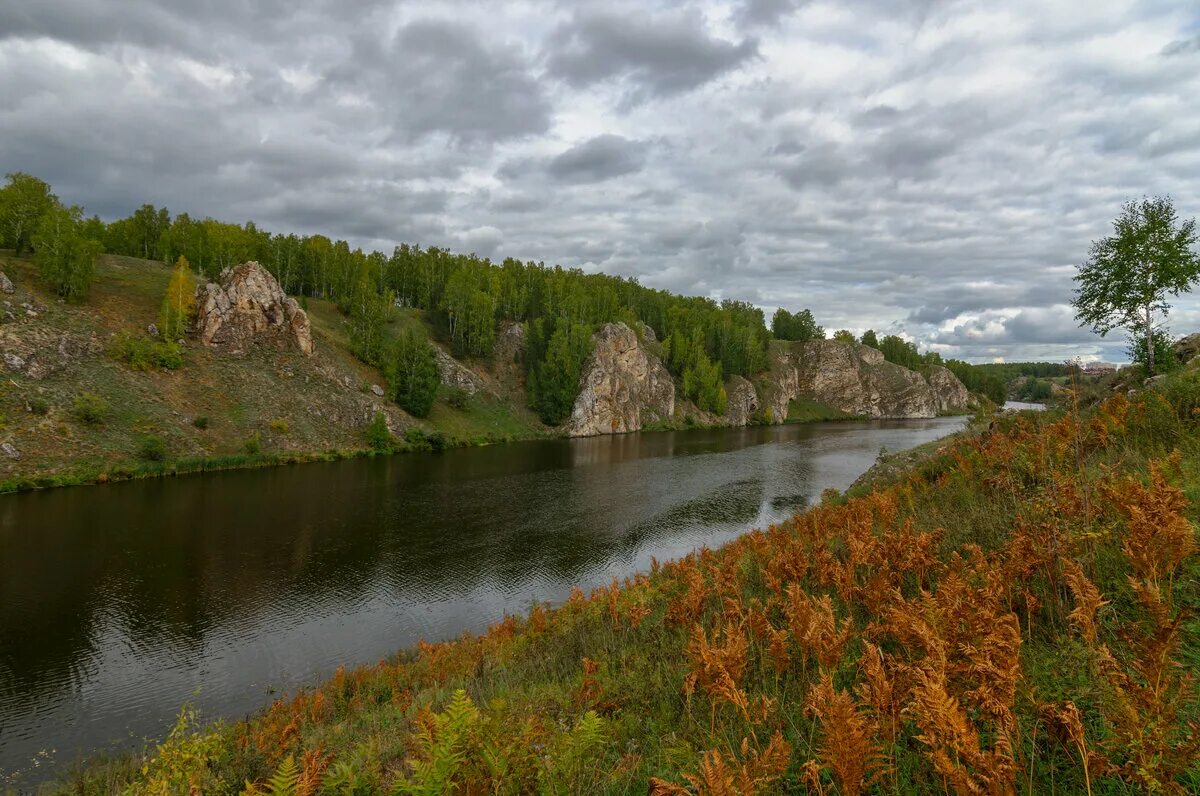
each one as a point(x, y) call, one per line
point(119, 603)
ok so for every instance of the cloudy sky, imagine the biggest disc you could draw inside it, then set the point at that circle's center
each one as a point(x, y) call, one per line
point(918, 165)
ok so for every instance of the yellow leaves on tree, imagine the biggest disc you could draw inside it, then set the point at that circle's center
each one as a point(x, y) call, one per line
point(179, 305)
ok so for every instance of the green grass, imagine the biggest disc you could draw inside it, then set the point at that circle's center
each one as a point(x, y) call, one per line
point(806, 410)
point(485, 418)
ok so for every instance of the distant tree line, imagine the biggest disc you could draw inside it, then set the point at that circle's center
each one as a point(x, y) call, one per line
point(704, 341)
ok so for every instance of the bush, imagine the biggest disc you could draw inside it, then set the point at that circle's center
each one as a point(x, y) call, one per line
point(377, 435)
point(152, 449)
point(457, 397)
point(90, 409)
point(414, 439)
point(200, 422)
point(38, 406)
point(419, 440)
point(253, 444)
point(1182, 390)
point(145, 354)
point(279, 426)
point(412, 372)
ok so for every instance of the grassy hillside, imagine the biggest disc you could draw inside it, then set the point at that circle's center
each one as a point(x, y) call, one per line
point(1015, 614)
point(205, 413)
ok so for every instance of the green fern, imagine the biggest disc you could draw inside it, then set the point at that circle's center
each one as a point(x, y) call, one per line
point(443, 749)
point(344, 779)
point(566, 770)
point(285, 781)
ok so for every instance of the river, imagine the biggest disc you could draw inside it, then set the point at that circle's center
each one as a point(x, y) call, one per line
point(120, 603)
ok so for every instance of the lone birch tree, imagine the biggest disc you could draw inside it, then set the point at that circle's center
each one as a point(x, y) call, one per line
point(1130, 274)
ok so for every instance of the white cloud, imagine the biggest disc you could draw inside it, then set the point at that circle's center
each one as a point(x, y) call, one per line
point(933, 167)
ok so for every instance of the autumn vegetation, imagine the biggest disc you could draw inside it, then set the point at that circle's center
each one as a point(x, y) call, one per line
point(1015, 615)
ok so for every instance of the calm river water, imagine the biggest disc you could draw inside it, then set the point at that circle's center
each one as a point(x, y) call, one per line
point(120, 603)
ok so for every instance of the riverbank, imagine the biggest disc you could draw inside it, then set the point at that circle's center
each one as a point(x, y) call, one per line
point(985, 622)
point(417, 441)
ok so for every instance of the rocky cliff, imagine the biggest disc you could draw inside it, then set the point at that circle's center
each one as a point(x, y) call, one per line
point(622, 388)
point(249, 306)
point(856, 379)
point(950, 394)
point(624, 385)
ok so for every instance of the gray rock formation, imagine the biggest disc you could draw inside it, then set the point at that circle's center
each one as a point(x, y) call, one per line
point(10, 451)
point(622, 387)
point(455, 374)
point(250, 306)
point(6, 285)
point(853, 378)
point(1187, 348)
point(743, 401)
point(950, 394)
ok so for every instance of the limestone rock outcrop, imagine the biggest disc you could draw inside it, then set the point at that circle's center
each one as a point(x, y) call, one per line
point(742, 403)
point(1187, 348)
point(950, 394)
point(855, 379)
point(455, 374)
point(249, 306)
point(623, 387)
point(6, 285)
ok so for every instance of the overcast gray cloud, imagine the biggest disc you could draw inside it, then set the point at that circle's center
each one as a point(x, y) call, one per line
point(600, 158)
point(931, 167)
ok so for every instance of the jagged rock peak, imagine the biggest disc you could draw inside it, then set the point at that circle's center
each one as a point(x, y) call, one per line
point(622, 388)
point(248, 305)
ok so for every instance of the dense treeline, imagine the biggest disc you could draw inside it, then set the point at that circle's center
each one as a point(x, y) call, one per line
point(1011, 371)
point(704, 341)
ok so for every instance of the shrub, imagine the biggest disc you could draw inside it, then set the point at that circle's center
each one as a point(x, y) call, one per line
point(152, 448)
point(279, 426)
point(38, 406)
point(145, 354)
point(457, 397)
point(200, 422)
point(419, 440)
point(90, 409)
point(377, 435)
point(253, 444)
point(414, 438)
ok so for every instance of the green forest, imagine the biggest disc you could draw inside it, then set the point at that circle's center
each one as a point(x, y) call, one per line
point(704, 340)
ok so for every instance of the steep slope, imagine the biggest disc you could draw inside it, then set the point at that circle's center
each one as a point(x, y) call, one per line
point(296, 406)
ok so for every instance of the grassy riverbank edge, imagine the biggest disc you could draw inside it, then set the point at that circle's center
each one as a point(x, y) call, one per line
point(432, 442)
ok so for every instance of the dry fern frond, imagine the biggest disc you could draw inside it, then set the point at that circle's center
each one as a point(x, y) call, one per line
point(848, 746)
